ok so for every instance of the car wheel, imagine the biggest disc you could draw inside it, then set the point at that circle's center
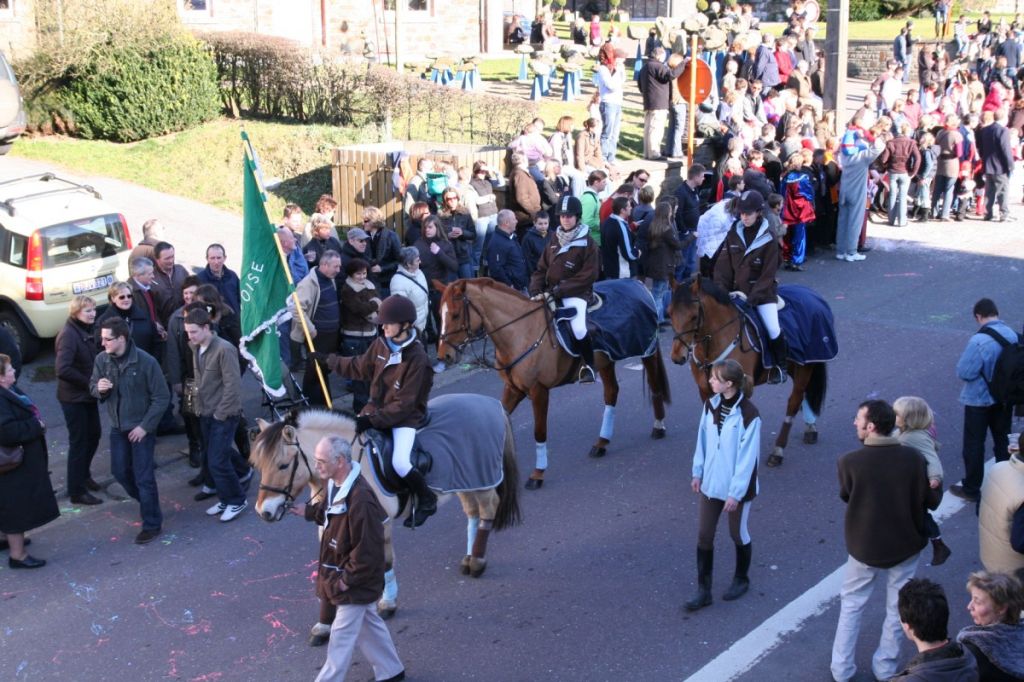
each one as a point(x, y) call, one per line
point(27, 343)
point(4, 148)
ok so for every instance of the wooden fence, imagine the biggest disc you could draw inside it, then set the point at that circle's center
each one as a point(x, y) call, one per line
point(363, 175)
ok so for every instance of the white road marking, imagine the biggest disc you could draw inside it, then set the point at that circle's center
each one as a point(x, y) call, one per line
point(745, 653)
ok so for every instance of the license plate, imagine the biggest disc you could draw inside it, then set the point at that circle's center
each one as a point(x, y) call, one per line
point(92, 284)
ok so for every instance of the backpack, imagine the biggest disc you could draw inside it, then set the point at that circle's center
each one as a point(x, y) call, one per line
point(1007, 382)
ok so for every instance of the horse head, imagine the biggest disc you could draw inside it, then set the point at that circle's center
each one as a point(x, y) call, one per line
point(685, 312)
point(458, 326)
point(283, 465)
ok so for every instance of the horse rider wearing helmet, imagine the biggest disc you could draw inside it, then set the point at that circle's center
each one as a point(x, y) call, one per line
point(566, 271)
point(398, 370)
point(748, 261)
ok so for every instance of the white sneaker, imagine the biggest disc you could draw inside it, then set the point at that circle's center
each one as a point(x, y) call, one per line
point(216, 509)
point(231, 512)
point(841, 256)
point(855, 257)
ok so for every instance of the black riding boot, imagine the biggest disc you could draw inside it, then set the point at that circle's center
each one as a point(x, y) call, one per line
point(426, 500)
point(586, 347)
point(705, 562)
point(740, 581)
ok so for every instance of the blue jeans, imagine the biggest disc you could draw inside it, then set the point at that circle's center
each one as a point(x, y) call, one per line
point(285, 332)
point(133, 467)
point(221, 458)
point(688, 263)
point(942, 190)
point(899, 185)
point(660, 292)
point(484, 228)
point(677, 121)
point(611, 119)
point(466, 271)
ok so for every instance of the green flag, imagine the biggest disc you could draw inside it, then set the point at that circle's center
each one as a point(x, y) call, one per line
point(265, 287)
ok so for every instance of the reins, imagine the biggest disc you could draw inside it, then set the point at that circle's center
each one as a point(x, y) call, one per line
point(484, 334)
point(707, 338)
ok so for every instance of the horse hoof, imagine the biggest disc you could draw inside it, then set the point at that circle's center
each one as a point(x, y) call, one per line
point(464, 564)
point(810, 437)
point(534, 483)
point(657, 434)
point(318, 640)
point(597, 452)
point(774, 460)
point(478, 567)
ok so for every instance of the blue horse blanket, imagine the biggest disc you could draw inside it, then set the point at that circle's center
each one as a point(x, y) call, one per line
point(623, 325)
point(806, 322)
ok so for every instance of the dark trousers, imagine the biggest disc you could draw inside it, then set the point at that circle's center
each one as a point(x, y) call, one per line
point(978, 421)
point(324, 342)
point(351, 346)
point(997, 189)
point(133, 466)
point(222, 459)
point(84, 433)
point(709, 511)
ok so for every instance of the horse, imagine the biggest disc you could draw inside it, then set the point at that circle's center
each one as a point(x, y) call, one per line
point(708, 328)
point(530, 360)
point(282, 451)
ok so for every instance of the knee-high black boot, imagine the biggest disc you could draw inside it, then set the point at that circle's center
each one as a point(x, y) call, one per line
point(705, 563)
point(426, 500)
point(587, 354)
point(740, 580)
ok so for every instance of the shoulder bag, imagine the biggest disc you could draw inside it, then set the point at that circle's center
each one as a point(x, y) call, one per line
point(10, 457)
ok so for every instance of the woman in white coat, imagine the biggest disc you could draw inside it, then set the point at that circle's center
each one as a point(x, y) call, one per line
point(725, 475)
point(409, 281)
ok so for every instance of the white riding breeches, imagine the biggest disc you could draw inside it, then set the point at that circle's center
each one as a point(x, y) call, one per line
point(401, 452)
point(579, 320)
point(769, 313)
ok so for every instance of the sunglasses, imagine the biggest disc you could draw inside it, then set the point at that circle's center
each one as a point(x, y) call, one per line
point(643, 180)
point(124, 297)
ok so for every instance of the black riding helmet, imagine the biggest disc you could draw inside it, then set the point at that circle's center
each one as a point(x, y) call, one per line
point(571, 205)
point(397, 310)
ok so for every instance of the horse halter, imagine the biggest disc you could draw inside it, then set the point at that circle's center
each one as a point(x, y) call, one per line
point(706, 339)
point(482, 332)
point(289, 498)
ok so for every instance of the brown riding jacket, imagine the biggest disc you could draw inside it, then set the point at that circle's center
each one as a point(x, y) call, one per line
point(399, 387)
point(567, 271)
point(749, 268)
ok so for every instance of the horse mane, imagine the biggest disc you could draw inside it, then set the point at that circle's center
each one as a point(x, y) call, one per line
point(490, 283)
point(683, 296)
point(266, 442)
point(269, 439)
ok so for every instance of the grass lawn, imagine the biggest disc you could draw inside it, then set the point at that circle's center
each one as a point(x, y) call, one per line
point(205, 163)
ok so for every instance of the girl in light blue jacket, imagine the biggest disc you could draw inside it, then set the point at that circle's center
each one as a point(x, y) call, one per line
point(725, 475)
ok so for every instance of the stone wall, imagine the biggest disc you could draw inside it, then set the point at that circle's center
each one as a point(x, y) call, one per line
point(866, 58)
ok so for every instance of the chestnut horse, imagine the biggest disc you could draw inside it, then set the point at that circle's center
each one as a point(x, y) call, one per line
point(283, 452)
point(530, 360)
point(708, 328)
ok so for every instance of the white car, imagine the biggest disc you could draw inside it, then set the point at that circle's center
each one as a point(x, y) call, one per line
point(58, 239)
point(12, 107)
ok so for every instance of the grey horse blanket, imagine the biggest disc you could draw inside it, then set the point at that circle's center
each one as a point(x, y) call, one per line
point(466, 438)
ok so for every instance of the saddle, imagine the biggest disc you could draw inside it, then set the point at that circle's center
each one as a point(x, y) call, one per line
point(379, 448)
point(622, 321)
point(806, 321)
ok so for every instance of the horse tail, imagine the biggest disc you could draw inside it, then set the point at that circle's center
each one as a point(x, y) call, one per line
point(508, 514)
point(657, 380)
point(817, 387)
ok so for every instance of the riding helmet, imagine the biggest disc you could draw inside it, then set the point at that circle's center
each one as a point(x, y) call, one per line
point(751, 202)
point(572, 206)
point(397, 310)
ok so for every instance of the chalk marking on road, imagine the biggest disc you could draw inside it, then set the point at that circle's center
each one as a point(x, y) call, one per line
point(745, 653)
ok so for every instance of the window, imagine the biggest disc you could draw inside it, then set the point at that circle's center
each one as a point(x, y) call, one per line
point(194, 5)
point(5, 6)
point(411, 5)
point(83, 240)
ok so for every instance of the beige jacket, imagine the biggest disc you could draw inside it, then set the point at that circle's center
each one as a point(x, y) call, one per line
point(219, 380)
point(1001, 495)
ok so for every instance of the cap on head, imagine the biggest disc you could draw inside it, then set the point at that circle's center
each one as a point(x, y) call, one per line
point(751, 202)
point(357, 233)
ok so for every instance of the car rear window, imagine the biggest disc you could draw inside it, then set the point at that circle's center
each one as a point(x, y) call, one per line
point(83, 240)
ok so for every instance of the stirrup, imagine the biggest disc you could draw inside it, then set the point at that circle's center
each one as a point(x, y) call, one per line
point(776, 375)
point(586, 375)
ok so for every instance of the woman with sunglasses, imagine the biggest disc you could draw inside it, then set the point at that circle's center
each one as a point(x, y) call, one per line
point(459, 228)
point(123, 305)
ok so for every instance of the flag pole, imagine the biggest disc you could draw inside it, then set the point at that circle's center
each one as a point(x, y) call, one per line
point(250, 159)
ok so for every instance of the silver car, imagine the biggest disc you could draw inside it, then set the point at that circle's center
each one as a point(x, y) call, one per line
point(12, 107)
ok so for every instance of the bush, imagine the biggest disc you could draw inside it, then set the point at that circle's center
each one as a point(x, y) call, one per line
point(865, 10)
point(135, 92)
point(269, 77)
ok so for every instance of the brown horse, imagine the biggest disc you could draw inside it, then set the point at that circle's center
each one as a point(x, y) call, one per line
point(530, 360)
point(709, 328)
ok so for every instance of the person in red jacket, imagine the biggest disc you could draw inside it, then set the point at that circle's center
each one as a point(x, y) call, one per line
point(797, 209)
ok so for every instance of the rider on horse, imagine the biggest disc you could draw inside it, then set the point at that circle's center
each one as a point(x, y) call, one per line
point(567, 270)
point(748, 261)
point(400, 377)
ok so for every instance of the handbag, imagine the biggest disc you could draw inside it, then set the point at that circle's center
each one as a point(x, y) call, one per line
point(190, 397)
point(11, 457)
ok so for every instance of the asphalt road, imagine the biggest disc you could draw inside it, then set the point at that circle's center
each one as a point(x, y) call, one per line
point(590, 587)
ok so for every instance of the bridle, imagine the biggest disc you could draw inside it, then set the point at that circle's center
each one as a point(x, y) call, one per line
point(289, 498)
point(481, 333)
point(705, 340)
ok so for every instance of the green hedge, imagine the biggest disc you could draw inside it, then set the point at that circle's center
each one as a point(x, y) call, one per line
point(134, 92)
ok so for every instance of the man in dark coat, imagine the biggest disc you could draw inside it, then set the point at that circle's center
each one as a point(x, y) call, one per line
point(687, 216)
point(924, 617)
point(505, 262)
point(656, 81)
point(886, 491)
point(350, 574)
point(619, 255)
point(168, 278)
point(995, 149)
point(222, 277)
point(523, 194)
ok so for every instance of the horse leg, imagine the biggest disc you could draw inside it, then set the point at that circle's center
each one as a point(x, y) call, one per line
point(611, 398)
point(654, 368)
point(388, 602)
point(487, 504)
point(472, 510)
point(796, 397)
point(539, 398)
point(810, 422)
point(321, 632)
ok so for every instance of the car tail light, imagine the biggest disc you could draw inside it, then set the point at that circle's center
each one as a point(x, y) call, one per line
point(34, 285)
point(124, 226)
